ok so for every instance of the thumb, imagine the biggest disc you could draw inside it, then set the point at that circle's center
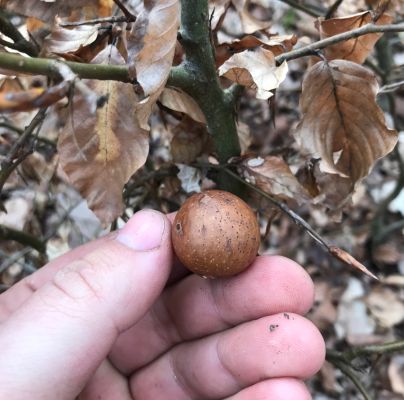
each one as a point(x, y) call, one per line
point(63, 332)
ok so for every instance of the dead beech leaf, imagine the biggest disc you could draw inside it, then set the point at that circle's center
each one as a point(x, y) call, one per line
point(100, 149)
point(355, 49)
point(63, 40)
point(276, 44)
point(151, 44)
point(342, 123)
point(177, 100)
point(255, 69)
point(274, 176)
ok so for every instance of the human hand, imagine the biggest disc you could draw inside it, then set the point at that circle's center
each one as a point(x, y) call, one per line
point(98, 323)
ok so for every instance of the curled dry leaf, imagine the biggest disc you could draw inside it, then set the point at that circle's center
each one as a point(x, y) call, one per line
point(63, 40)
point(276, 44)
point(342, 123)
point(274, 176)
point(177, 100)
point(151, 44)
point(46, 10)
point(101, 148)
point(355, 49)
point(255, 69)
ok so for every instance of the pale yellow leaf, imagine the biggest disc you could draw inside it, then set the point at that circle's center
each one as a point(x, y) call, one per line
point(342, 123)
point(355, 49)
point(177, 100)
point(255, 69)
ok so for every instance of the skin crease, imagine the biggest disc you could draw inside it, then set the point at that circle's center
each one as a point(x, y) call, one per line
point(101, 322)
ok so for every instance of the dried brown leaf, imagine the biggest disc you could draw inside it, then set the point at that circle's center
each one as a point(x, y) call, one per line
point(63, 40)
point(255, 69)
point(355, 49)
point(177, 100)
point(151, 44)
point(100, 149)
point(274, 176)
point(342, 123)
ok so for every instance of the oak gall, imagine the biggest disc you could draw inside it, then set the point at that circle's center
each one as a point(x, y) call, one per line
point(215, 234)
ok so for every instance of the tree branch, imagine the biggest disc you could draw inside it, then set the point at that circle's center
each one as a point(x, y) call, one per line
point(179, 77)
point(308, 10)
point(14, 159)
point(20, 43)
point(198, 77)
point(7, 233)
point(321, 44)
point(49, 67)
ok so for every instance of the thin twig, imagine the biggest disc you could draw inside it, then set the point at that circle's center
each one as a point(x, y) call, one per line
point(349, 372)
point(321, 44)
point(129, 16)
point(20, 43)
point(308, 10)
point(111, 20)
point(49, 67)
point(13, 159)
point(334, 7)
point(391, 87)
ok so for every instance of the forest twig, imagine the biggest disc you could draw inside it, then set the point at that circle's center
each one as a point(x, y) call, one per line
point(298, 6)
point(354, 33)
point(95, 21)
point(19, 42)
point(13, 159)
point(332, 9)
point(129, 16)
point(49, 67)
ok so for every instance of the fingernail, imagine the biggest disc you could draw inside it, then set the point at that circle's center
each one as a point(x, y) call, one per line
point(144, 231)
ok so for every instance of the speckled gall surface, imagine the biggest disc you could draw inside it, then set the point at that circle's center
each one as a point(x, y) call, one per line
point(216, 234)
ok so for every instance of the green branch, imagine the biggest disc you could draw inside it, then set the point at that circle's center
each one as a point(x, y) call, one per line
point(50, 67)
point(197, 76)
